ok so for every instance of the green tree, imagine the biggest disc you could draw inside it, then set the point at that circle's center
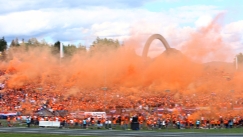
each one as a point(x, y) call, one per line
point(43, 42)
point(240, 57)
point(12, 43)
point(33, 42)
point(82, 48)
point(56, 47)
point(3, 44)
point(69, 50)
point(104, 44)
point(3, 47)
point(15, 43)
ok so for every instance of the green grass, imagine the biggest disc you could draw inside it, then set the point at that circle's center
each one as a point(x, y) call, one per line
point(233, 130)
point(35, 135)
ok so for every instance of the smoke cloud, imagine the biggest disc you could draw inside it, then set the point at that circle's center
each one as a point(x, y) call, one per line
point(127, 74)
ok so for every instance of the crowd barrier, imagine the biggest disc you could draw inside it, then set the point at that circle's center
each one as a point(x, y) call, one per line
point(49, 124)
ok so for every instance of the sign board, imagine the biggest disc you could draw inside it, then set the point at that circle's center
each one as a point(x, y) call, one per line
point(96, 114)
point(8, 114)
point(49, 124)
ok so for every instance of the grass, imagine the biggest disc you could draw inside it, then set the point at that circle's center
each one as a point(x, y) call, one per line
point(35, 135)
point(233, 130)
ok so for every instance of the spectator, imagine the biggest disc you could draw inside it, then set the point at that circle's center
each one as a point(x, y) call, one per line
point(198, 124)
point(84, 124)
point(178, 123)
point(28, 121)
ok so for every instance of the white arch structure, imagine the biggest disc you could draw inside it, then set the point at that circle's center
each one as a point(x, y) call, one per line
point(150, 40)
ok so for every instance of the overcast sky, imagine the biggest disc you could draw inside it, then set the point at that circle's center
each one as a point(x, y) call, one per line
point(81, 21)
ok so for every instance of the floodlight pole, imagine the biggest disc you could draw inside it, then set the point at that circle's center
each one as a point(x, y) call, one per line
point(61, 50)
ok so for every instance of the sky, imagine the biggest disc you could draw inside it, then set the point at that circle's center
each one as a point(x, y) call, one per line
point(81, 21)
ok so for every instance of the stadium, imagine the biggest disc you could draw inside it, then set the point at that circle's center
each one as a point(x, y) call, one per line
point(181, 81)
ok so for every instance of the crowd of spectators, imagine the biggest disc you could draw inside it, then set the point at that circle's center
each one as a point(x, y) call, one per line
point(169, 108)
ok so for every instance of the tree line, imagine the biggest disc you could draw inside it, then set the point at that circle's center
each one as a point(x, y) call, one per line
point(98, 45)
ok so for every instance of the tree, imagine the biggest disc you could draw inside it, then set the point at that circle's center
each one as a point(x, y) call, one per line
point(240, 57)
point(43, 42)
point(3, 47)
point(82, 48)
point(3, 44)
point(15, 43)
point(12, 43)
point(104, 44)
point(69, 50)
point(56, 47)
point(33, 42)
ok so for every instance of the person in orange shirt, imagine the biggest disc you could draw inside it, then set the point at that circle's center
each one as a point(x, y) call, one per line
point(226, 123)
point(191, 123)
point(218, 123)
point(154, 124)
point(122, 124)
point(141, 124)
point(92, 121)
point(212, 123)
point(80, 122)
point(9, 121)
point(208, 124)
point(75, 121)
point(149, 123)
point(114, 122)
point(14, 120)
point(126, 122)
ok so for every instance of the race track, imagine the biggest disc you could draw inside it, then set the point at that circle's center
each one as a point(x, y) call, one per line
point(114, 133)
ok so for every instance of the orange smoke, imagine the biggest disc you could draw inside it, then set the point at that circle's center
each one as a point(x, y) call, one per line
point(126, 73)
point(206, 44)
